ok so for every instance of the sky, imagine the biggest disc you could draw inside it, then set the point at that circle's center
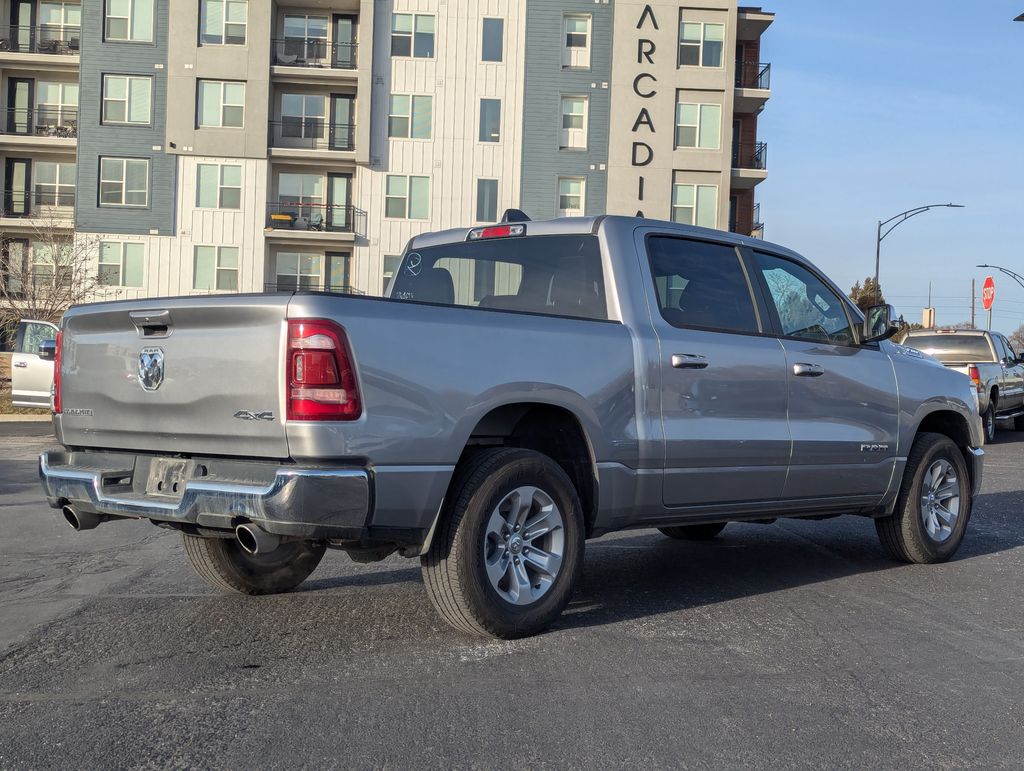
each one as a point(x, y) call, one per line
point(879, 107)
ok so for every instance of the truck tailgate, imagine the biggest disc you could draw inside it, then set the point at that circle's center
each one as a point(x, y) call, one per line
point(196, 375)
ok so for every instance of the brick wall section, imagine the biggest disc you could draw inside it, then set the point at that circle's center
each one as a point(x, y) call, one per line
point(747, 139)
point(751, 53)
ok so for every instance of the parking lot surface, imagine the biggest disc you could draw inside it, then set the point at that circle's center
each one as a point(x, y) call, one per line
point(796, 644)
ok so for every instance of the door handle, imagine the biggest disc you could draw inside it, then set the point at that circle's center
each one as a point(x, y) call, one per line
point(808, 370)
point(689, 361)
point(21, 364)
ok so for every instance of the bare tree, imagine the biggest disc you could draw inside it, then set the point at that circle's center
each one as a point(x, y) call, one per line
point(49, 274)
point(1017, 339)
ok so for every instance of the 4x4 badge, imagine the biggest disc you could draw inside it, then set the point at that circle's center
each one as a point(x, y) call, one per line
point(250, 415)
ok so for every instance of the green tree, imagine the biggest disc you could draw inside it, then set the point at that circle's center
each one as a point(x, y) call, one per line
point(863, 295)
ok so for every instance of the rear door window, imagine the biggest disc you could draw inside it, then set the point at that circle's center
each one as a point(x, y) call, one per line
point(554, 275)
point(702, 285)
point(807, 308)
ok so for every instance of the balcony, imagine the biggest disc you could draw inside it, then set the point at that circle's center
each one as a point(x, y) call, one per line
point(752, 227)
point(302, 220)
point(41, 127)
point(312, 60)
point(749, 165)
point(40, 208)
point(307, 138)
point(45, 39)
point(753, 86)
point(752, 22)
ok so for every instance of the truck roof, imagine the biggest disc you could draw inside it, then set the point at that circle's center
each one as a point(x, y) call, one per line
point(576, 225)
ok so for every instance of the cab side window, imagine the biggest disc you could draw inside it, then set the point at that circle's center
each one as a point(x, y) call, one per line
point(807, 308)
point(702, 285)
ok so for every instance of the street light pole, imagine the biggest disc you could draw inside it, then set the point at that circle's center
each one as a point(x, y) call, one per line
point(1015, 276)
point(895, 222)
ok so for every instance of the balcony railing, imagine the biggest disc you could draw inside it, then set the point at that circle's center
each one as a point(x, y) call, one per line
point(299, 214)
point(309, 284)
point(313, 52)
point(754, 75)
point(42, 39)
point(36, 203)
point(43, 121)
point(751, 156)
point(311, 134)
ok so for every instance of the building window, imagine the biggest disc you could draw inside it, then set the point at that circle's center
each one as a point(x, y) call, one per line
point(60, 22)
point(574, 123)
point(56, 103)
point(576, 52)
point(55, 183)
point(121, 264)
point(218, 186)
point(215, 268)
point(410, 117)
point(296, 270)
point(223, 22)
point(221, 104)
point(302, 116)
point(695, 205)
point(391, 263)
point(305, 38)
point(129, 21)
point(487, 200)
point(490, 120)
point(407, 197)
point(127, 99)
point(571, 196)
point(412, 35)
point(700, 44)
point(492, 45)
point(302, 194)
point(699, 125)
point(124, 182)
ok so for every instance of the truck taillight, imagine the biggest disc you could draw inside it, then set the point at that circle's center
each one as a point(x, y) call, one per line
point(56, 374)
point(975, 377)
point(321, 377)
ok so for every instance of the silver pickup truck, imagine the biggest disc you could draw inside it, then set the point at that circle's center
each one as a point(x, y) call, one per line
point(989, 360)
point(524, 387)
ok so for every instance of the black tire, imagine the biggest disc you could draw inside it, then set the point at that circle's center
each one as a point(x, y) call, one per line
point(225, 565)
point(454, 568)
point(1018, 424)
point(694, 532)
point(903, 533)
point(988, 422)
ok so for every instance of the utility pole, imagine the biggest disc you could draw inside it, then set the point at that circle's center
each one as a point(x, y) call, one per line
point(972, 303)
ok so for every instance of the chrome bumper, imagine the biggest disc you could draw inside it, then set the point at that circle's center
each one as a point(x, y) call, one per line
point(301, 502)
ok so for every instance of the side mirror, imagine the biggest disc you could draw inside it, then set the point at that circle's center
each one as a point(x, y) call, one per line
point(48, 350)
point(880, 323)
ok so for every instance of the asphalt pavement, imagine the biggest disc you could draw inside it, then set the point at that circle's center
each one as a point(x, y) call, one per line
point(792, 645)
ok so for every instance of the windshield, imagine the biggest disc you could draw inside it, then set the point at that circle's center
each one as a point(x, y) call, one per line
point(953, 348)
point(555, 275)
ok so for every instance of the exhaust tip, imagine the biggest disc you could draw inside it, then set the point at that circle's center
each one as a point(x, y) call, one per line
point(80, 520)
point(255, 540)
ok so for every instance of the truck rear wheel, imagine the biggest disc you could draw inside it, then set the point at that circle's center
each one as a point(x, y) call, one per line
point(694, 532)
point(225, 565)
point(988, 421)
point(934, 504)
point(509, 548)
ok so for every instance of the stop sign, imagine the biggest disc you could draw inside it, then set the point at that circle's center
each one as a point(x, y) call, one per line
point(988, 293)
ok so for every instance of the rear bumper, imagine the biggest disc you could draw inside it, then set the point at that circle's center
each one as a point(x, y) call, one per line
point(284, 500)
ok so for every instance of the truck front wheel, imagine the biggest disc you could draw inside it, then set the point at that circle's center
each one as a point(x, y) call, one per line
point(225, 565)
point(509, 549)
point(934, 504)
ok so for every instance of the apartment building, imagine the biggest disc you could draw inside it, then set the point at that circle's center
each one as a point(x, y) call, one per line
point(39, 74)
point(236, 145)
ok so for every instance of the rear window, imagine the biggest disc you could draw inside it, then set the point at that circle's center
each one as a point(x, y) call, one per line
point(555, 275)
point(953, 348)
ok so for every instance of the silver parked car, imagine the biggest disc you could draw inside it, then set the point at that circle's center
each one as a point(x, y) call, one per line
point(524, 387)
point(32, 364)
point(989, 360)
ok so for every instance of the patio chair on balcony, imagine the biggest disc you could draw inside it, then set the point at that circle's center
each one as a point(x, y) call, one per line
point(316, 221)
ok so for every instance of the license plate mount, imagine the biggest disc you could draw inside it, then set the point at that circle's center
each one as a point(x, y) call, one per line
point(166, 477)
